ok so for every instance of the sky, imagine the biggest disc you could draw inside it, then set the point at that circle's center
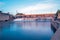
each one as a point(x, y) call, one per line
point(29, 6)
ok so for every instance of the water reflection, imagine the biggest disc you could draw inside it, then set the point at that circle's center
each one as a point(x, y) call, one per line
point(26, 30)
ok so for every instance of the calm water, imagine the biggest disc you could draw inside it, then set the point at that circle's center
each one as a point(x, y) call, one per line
point(25, 31)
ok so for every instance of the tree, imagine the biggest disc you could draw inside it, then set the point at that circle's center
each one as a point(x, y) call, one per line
point(56, 15)
point(19, 14)
point(0, 11)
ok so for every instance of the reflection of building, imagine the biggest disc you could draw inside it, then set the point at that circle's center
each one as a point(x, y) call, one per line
point(5, 16)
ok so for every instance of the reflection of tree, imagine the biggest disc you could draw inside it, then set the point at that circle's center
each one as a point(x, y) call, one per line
point(57, 14)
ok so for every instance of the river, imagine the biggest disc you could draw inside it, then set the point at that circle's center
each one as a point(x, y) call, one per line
point(26, 30)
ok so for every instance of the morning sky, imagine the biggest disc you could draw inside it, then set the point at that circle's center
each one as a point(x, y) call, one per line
point(29, 6)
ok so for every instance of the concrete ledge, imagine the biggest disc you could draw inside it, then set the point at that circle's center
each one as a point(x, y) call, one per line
point(56, 36)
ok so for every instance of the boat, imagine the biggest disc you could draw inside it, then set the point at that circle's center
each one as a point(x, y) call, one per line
point(24, 20)
point(18, 19)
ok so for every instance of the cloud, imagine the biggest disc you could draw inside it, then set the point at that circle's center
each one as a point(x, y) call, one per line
point(38, 7)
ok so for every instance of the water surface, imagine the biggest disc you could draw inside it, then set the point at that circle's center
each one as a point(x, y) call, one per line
point(25, 30)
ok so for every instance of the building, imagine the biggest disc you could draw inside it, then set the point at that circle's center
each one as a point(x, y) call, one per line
point(5, 16)
point(35, 16)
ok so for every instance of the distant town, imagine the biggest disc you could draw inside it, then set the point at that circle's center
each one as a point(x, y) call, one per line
point(54, 17)
point(9, 17)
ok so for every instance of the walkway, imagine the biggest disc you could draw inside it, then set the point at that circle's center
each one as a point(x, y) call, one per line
point(56, 36)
